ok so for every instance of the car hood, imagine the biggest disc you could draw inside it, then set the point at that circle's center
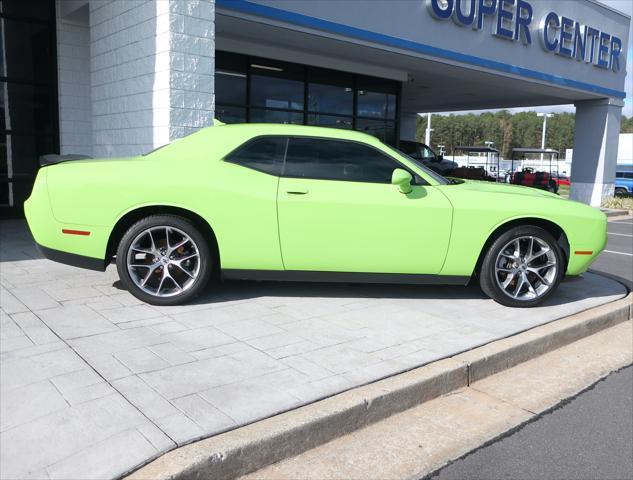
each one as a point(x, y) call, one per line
point(505, 188)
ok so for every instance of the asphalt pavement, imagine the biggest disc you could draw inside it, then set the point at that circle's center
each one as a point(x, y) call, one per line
point(617, 258)
point(589, 437)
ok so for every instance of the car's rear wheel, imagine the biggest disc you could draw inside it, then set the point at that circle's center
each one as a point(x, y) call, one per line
point(523, 267)
point(164, 260)
point(620, 192)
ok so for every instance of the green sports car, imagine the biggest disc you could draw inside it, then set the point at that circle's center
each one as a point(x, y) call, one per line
point(290, 202)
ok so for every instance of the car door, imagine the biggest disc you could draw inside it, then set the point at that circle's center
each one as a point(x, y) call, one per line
point(244, 205)
point(339, 212)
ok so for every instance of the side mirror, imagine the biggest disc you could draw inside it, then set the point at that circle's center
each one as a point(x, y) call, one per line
point(402, 179)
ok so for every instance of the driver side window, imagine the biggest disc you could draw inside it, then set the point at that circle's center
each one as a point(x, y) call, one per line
point(318, 158)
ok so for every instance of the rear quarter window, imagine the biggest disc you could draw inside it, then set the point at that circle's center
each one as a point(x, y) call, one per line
point(264, 154)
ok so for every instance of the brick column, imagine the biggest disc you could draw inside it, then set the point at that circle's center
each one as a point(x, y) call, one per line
point(152, 65)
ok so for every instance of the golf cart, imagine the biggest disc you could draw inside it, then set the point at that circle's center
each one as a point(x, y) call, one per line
point(529, 176)
point(478, 167)
point(427, 156)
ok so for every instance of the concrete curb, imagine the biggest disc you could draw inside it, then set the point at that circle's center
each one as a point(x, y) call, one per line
point(262, 443)
point(613, 212)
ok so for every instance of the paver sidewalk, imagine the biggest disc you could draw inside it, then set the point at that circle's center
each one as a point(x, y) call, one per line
point(94, 383)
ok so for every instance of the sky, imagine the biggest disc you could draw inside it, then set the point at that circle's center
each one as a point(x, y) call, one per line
point(625, 6)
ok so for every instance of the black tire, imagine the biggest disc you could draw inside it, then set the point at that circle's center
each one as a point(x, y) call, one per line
point(487, 273)
point(204, 267)
point(620, 192)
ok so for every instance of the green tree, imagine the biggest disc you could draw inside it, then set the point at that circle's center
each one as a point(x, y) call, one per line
point(505, 129)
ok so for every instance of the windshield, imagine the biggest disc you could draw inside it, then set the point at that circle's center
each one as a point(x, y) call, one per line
point(436, 176)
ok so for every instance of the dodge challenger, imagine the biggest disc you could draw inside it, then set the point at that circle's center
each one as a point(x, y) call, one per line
point(292, 202)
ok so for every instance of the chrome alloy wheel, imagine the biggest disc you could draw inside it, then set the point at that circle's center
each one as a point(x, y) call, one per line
point(526, 268)
point(163, 261)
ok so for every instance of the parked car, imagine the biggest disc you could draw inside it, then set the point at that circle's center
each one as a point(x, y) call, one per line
point(292, 202)
point(561, 180)
point(428, 157)
point(624, 180)
point(470, 173)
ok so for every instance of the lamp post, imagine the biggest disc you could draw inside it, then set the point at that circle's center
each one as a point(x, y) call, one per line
point(545, 117)
point(489, 144)
point(427, 136)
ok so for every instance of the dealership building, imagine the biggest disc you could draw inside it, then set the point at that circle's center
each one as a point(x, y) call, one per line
point(119, 77)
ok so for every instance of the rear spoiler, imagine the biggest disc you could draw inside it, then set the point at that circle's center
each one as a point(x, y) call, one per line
point(53, 158)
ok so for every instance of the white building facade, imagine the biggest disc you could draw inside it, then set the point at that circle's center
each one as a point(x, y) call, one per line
point(127, 76)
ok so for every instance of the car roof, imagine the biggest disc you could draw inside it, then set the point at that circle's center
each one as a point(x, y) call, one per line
point(252, 129)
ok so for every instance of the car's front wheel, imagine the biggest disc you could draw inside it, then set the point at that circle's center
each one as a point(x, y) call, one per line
point(163, 260)
point(522, 267)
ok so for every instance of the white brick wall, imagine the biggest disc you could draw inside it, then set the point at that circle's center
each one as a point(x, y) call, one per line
point(192, 65)
point(73, 64)
point(151, 67)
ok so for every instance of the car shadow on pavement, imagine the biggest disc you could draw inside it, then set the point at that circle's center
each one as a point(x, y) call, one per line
point(234, 290)
point(218, 292)
point(18, 245)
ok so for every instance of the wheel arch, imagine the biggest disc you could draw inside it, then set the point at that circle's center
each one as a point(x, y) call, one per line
point(133, 216)
point(553, 228)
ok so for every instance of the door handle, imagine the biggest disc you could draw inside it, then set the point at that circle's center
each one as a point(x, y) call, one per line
point(299, 191)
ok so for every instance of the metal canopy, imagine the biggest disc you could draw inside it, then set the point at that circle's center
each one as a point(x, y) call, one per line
point(553, 157)
point(476, 149)
point(534, 150)
point(482, 161)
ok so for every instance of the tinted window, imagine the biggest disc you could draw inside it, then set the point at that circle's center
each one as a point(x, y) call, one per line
point(383, 130)
point(35, 9)
point(333, 121)
point(253, 89)
point(259, 115)
point(337, 160)
point(230, 114)
point(376, 98)
point(262, 154)
point(28, 53)
point(427, 153)
point(276, 85)
point(410, 148)
point(330, 92)
point(230, 79)
point(28, 96)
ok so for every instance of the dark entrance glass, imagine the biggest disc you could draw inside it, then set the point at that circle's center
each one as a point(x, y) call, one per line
point(253, 89)
point(29, 125)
